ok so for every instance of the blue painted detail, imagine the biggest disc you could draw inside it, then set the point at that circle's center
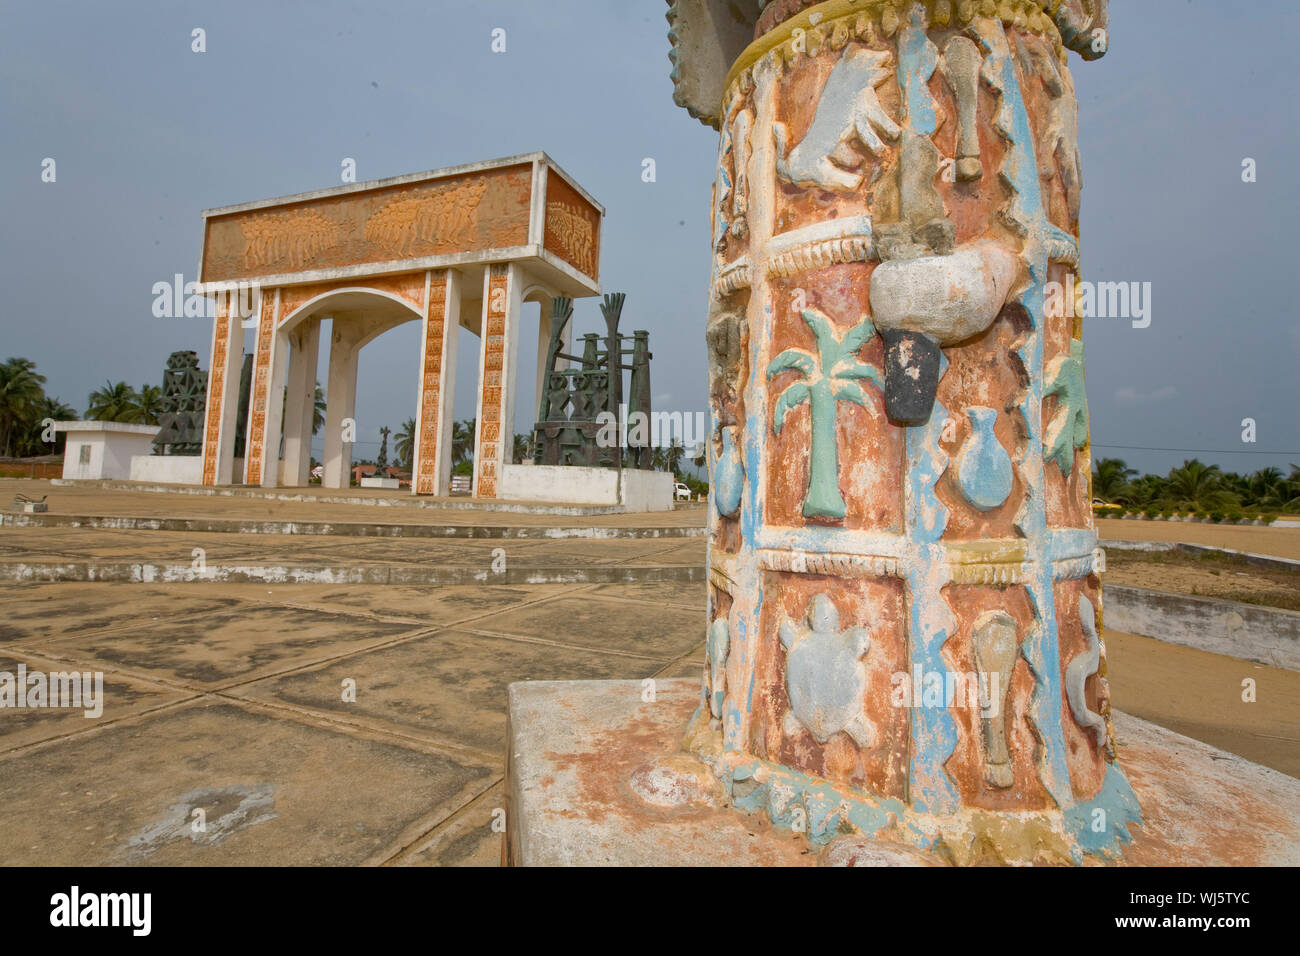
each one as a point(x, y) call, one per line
point(983, 466)
point(717, 651)
point(1103, 834)
point(759, 786)
point(917, 59)
point(728, 477)
point(826, 378)
point(1026, 215)
point(930, 621)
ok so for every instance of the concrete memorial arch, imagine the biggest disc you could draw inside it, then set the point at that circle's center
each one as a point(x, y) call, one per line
point(459, 247)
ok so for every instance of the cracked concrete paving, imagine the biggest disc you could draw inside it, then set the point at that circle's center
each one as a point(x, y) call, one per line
point(228, 699)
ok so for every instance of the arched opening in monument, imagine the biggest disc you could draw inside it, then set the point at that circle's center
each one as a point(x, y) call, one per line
point(333, 327)
point(386, 398)
point(530, 374)
point(464, 403)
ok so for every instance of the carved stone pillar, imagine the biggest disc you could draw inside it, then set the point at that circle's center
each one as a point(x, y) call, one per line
point(904, 611)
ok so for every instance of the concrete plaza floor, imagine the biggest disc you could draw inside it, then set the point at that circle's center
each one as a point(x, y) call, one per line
point(230, 697)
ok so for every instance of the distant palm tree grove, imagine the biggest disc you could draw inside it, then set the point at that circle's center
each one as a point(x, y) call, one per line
point(1197, 487)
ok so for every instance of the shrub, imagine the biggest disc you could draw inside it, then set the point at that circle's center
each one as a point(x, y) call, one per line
point(1234, 516)
point(1268, 518)
point(1216, 516)
point(1150, 513)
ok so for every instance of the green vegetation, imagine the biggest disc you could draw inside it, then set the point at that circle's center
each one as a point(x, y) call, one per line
point(1196, 489)
point(23, 407)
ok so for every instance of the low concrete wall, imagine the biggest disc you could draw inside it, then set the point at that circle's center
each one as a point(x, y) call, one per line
point(168, 469)
point(571, 484)
point(647, 490)
point(1253, 633)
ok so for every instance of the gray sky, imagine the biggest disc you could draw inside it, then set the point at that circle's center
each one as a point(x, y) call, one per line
point(146, 133)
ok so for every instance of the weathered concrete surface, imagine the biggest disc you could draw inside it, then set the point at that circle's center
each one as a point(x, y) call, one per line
point(315, 504)
point(227, 698)
point(342, 528)
point(1253, 633)
point(575, 748)
point(124, 555)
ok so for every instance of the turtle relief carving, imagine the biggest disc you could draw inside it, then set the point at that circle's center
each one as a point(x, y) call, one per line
point(825, 677)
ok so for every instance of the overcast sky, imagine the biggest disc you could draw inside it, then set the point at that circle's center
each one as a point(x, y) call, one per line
point(146, 133)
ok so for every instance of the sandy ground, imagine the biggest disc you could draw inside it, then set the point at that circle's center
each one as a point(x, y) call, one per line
point(1200, 695)
point(1278, 542)
point(1184, 574)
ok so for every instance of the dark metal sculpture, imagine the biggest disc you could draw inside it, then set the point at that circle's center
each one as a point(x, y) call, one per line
point(185, 388)
point(579, 418)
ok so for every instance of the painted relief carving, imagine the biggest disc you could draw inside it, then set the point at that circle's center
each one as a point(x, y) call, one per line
point(825, 676)
point(426, 477)
point(731, 190)
point(446, 216)
point(1068, 429)
point(984, 472)
point(830, 376)
point(490, 398)
point(919, 152)
point(847, 118)
point(728, 475)
point(575, 234)
point(996, 650)
point(1080, 669)
point(296, 237)
point(961, 66)
point(717, 664)
point(216, 394)
point(261, 386)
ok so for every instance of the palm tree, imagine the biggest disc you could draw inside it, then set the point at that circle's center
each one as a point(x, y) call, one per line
point(522, 444)
point(673, 456)
point(1198, 485)
point(827, 378)
point(1267, 487)
point(21, 388)
point(1110, 478)
point(318, 409)
point(115, 402)
point(150, 399)
point(405, 445)
point(462, 440)
point(55, 410)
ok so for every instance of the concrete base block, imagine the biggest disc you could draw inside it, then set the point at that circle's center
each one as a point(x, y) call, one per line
point(380, 483)
point(596, 778)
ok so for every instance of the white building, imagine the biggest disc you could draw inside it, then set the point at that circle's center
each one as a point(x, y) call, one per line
point(104, 449)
